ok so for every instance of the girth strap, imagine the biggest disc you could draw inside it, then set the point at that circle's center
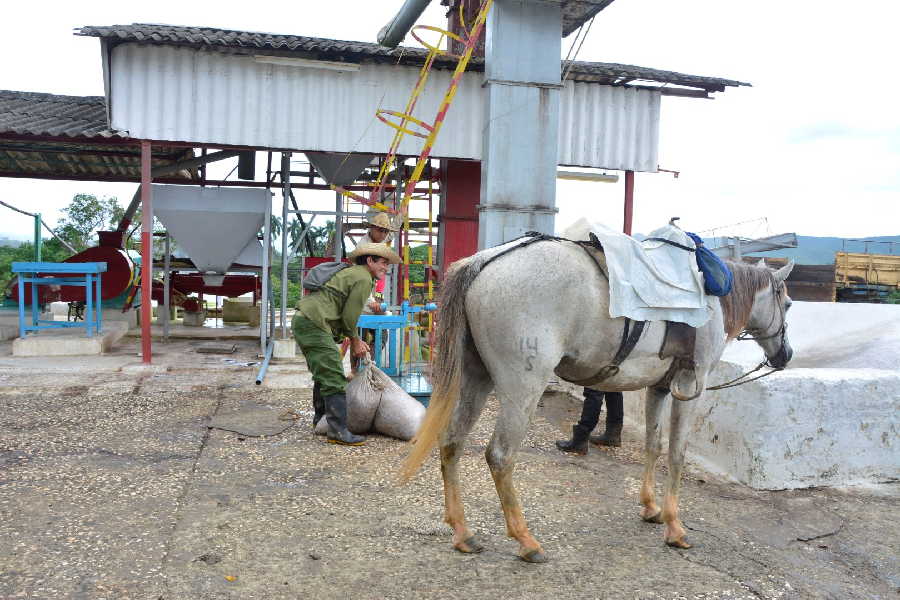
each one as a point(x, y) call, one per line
point(679, 342)
point(630, 338)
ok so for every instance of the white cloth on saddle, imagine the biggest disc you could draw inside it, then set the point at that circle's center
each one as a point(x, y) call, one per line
point(652, 280)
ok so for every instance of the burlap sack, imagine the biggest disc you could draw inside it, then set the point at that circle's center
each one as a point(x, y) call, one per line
point(363, 398)
point(399, 414)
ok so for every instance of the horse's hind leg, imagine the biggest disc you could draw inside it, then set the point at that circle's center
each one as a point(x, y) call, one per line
point(512, 423)
point(681, 412)
point(474, 388)
point(654, 401)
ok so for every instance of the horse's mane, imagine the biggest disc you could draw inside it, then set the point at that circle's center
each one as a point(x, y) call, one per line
point(737, 306)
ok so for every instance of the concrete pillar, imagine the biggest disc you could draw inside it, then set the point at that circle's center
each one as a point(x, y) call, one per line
point(522, 80)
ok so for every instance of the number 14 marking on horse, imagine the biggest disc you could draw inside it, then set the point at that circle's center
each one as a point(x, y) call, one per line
point(528, 347)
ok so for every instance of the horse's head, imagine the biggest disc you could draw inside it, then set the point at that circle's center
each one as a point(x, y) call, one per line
point(767, 324)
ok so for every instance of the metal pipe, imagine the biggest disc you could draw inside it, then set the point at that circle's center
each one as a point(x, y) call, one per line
point(265, 363)
point(393, 33)
point(285, 196)
point(146, 251)
point(629, 202)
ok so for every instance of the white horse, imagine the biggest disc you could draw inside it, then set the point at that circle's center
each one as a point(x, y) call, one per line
point(541, 309)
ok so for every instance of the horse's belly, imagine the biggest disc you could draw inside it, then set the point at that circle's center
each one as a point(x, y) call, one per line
point(634, 374)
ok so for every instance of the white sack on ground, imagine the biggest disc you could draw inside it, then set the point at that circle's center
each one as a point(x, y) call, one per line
point(376, 403)
point(399, 414)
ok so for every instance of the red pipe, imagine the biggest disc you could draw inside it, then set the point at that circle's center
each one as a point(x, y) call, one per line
point(146, 253)
point(629, 202)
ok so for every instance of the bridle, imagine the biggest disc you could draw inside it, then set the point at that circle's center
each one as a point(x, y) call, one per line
point(754, 334)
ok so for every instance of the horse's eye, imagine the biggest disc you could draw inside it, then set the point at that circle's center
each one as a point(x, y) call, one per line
point(787, 306)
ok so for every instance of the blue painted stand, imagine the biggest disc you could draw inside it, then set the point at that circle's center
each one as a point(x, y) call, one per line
point(414, 384)
point(86, 275)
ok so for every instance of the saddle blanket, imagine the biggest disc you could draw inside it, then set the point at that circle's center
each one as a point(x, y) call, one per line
point(651, 280)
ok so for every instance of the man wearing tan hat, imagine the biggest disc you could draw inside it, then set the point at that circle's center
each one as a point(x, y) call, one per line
point(327, 316)
point(380, 228)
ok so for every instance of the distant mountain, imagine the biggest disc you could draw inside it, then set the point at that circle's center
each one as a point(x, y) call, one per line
point(4, 241)
point(813, 250)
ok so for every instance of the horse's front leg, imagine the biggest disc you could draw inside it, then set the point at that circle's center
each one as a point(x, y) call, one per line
point(512, 423)
point(654, 402)
point(681, 413)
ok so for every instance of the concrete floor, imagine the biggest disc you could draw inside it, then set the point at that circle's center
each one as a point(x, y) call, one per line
point(113, 486)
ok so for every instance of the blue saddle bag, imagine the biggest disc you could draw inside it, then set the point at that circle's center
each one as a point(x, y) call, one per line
point(717, 277)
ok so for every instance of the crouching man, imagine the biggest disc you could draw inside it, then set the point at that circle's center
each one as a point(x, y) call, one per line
point(326, 317)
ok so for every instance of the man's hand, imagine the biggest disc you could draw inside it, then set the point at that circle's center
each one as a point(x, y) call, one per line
point(375, 307)
point(358, 348)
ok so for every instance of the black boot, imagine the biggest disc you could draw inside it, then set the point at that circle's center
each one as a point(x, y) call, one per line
point(318, 404)
point(611, 437)
point(336, 416)
point(579, 442)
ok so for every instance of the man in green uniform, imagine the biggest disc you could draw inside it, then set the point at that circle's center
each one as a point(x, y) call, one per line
point(326, 317)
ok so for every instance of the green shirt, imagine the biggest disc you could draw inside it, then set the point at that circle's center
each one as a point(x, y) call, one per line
point(337, 306)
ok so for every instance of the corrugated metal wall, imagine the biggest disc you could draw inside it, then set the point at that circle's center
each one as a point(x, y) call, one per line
point(184, 94)
point(610, 127)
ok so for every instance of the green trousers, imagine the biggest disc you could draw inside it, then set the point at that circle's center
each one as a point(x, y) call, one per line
point(322, 355)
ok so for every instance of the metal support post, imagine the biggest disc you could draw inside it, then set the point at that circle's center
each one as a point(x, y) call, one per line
point(629, 202)
point(285, 197)
point(338, 226)
point(264, 299)
point(37, 237)
point(146, 253)
point(166, 267)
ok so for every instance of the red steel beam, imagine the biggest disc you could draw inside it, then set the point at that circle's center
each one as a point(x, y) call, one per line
point(629, 202)
point(146, 252)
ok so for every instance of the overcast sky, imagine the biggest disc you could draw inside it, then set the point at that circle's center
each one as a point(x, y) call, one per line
point(813, 147)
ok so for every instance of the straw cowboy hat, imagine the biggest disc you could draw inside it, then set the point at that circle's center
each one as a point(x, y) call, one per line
point(382, 220)
point(376, 250)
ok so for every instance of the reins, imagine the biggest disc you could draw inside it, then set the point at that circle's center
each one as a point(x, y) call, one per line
point(748, 335)
point(737, 380)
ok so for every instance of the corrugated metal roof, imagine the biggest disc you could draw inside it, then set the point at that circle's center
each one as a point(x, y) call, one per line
point(356, 52)
point(577, 12)
point(31, 113)
point(62, 137)
point(574, 12)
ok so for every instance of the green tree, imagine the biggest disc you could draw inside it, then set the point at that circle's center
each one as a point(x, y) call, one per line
point(51, 251)
point(85, 215)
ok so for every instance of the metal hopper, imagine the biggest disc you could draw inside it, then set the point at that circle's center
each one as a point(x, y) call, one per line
point(212, 225)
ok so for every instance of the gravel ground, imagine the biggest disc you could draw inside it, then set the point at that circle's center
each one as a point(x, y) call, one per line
point(112, 486)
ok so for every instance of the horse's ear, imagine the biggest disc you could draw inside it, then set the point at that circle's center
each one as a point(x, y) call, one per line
point(782, 273)
point(761, 264)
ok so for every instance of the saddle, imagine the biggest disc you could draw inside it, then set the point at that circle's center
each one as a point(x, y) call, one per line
point(679, 342)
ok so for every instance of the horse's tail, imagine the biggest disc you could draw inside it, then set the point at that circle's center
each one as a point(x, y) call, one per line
point(452, 330)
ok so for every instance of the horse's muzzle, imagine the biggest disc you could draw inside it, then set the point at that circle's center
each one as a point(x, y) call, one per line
point(780, 360)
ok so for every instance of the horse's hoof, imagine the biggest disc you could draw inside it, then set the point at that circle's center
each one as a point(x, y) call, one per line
point(534, 556)
point(679, 543)
point(469, 546)
point(654, 518)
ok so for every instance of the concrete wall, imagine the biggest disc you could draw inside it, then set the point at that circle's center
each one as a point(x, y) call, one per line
point(796, 429)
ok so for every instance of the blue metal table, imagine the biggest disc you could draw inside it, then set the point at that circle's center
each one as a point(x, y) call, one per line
point(87, 275)
point(413, 382)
